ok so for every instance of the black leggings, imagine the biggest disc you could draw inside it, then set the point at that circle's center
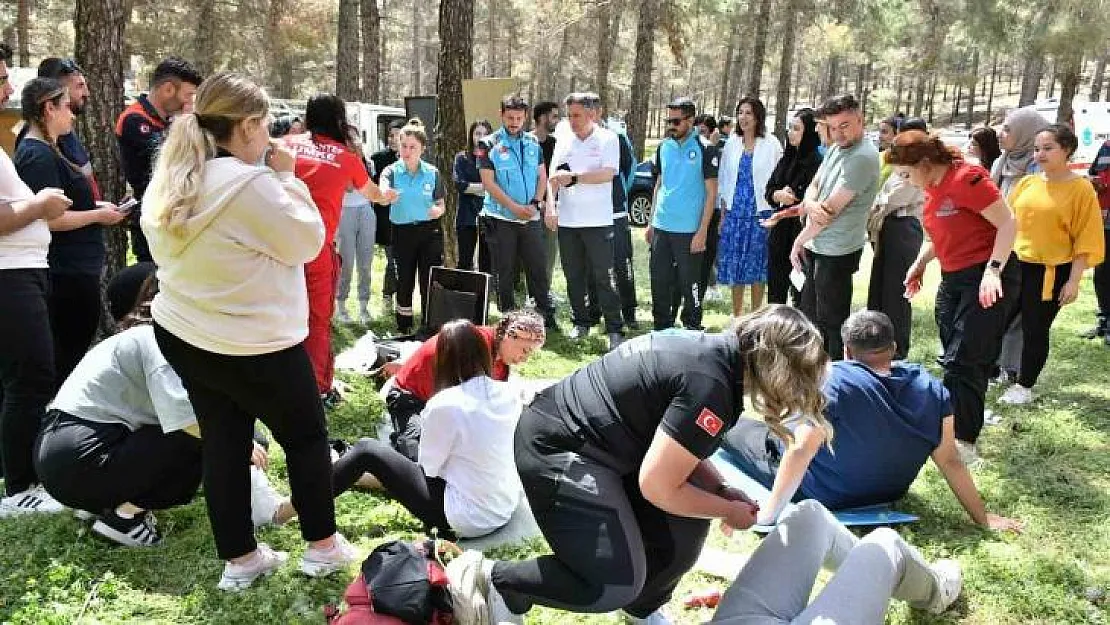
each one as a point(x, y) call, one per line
point(611, 548)
point(780, 239)
point(1037, 316)
point(1102, 282)
point(971, 337)
point(899, 241)
point(227, 392)
point(98, 466)
point(416, 249)
point(26, 372)
point(74, 316)
point(402, 478)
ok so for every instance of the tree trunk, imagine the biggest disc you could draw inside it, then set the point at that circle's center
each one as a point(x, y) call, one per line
point(730, 59)
point(786, 61)
point(990, 93)
point(23, 30)
point(933, 95)
point(933, 44)
point(204, 40)
point(972, 83)
point(607, 41)
point(276, 55)
point(417, 54)
point(1070, 68)
point(1033, 60)
point(759, 47)
point(491, 43)
point(456, 63)
point(347, 51)
point(561, 60)
point(370, 18)
point(1052, 79)
point(641, 75)
point(1097, 77)
point(99, 33)
point(898, 94)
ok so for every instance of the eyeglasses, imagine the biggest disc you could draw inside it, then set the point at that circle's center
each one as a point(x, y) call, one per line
point(674, 121)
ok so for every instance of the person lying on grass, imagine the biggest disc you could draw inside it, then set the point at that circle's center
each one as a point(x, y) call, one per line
point(121, 438)
point(889, 417)
point(511, 342)
point(465, 483)
point(776, 583)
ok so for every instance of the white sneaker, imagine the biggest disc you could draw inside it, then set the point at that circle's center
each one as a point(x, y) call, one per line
point(950, 580)
point(31, 501)
point(969, 453)
point(265, 501)
point(1017, 395)
point(465, 578)
point(237, 577)
point(658, 617)
point(991, 417)
point(320, 562)
point(341, 312)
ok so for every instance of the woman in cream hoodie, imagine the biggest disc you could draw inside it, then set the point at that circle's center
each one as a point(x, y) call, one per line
point(230, 229)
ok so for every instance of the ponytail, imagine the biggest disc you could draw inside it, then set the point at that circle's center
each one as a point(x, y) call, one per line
point(178, 172)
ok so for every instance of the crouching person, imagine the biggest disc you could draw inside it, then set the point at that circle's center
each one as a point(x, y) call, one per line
point(120, 439)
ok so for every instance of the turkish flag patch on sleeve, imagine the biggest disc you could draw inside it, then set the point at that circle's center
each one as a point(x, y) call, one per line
point(709, 422)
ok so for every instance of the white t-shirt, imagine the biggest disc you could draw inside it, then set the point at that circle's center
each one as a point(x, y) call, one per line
point(587, 205)
point(27, 247)
point(125, 380)
point(467, 440)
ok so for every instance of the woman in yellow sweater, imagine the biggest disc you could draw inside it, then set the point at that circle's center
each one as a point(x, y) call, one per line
point(1059, 237)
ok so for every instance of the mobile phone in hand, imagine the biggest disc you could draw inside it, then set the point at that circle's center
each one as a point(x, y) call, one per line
point(127, 205)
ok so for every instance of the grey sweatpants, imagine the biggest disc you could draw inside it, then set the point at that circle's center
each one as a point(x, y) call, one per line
point(775, 584)
point(355, 240)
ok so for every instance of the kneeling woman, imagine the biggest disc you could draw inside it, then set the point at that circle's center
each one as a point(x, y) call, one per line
point(613, 461)
point(511, 342)
point(464, 484)
point(121, 439)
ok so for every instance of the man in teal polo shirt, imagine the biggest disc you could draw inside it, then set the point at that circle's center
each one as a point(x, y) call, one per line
point(510, 162)
point(685, 191)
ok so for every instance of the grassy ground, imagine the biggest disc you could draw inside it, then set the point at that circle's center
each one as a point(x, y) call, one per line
point(1048, 464)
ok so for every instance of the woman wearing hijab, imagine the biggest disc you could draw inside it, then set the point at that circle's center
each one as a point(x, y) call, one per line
point(784, 191)
point(1016, 140)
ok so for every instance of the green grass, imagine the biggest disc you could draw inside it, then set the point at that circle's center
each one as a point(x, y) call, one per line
point(1048, 464)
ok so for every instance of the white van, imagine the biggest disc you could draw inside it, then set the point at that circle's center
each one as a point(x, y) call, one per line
point(1092, 126)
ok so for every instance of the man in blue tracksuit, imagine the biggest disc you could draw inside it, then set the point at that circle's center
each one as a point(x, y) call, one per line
point(510, 163)
point(624, 275)
point(685, 192)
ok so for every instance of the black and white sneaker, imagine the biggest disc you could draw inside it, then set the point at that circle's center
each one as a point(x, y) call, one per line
point(140, 531)
point(31, 501)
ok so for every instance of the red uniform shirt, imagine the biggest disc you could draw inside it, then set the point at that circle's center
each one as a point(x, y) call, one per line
point(417, 376)
point(329, 168)
point(961, 236)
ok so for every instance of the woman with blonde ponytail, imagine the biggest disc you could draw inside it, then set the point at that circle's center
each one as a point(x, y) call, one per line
point(230, 228)
point(613, 460)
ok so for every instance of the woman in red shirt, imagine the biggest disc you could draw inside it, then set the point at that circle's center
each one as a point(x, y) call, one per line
point(971, 232)
point(511, 342)
point(328, 166)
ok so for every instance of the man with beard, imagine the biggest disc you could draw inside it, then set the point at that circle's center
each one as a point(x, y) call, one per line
point(142, 126)
point(545, 116)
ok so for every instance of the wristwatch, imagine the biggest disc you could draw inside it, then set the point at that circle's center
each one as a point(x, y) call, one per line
point(539, 204)
point(995, 265)
point(573, 180)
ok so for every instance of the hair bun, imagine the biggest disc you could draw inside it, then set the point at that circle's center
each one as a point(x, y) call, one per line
point(415, 123)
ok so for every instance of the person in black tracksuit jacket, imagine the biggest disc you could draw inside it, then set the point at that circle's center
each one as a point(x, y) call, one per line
point(379, 161)
point(624, 272)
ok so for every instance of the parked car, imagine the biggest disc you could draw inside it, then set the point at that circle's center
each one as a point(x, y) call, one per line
point(641, 194)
